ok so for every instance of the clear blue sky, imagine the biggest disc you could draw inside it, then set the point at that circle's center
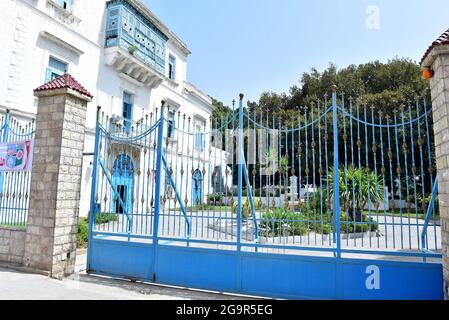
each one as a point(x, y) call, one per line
point(253, 46)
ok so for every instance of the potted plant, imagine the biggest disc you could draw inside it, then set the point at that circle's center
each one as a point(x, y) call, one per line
point(132, 48)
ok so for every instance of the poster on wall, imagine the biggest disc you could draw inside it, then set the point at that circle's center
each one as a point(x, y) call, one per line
point(16, 156)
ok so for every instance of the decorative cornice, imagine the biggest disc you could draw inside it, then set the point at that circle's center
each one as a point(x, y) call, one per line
point(49, 36)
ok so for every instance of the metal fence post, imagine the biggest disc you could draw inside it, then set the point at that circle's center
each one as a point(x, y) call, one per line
point(4, 140)
point(6, 127)
point(93, 191)
point(337, 232)
point(158, 182)
point(240, 173)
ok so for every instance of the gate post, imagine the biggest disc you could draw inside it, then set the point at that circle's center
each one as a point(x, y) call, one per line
point(157, 193)
point(436, 61)
point(93, 191)
point(50, 243)
point(336, 173)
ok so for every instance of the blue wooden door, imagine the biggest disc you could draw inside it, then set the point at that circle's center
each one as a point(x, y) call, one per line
point(123, 180)
point(197, 188)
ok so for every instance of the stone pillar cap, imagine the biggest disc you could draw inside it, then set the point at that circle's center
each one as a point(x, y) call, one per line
point(439, 46)
point(63, 84)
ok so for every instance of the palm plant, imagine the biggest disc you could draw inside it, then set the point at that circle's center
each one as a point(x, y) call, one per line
point(357, 187)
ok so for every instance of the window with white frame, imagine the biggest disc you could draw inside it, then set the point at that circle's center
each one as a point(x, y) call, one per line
point(55, 69)
point(171, 125)
point(200, 142)
point(127, 111)
point(171, 67)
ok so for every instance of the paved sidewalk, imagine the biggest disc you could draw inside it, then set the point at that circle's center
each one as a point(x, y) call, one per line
point(18, 285)
point(15, 285)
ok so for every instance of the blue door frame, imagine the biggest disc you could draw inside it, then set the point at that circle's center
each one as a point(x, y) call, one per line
point(244, 270)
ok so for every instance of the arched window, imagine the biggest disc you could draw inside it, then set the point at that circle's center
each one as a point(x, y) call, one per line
point(123, 177)
point(197, 188)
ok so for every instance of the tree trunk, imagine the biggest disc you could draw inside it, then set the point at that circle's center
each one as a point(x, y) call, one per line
point(356, 215)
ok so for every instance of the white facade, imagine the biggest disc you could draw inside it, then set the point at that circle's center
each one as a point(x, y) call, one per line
point(35, 31)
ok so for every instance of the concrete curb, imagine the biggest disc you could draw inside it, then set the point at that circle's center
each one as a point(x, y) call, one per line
point(157, 289)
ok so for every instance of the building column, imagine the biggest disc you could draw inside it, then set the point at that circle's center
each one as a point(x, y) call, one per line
point(50, 243)
point(438, 62)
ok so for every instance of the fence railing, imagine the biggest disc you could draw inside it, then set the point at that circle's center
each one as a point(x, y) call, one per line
point(14, 183)
point(336, 177)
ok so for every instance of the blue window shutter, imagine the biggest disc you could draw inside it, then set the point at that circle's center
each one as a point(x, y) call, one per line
point(48, 74)
point(172, 67)
point(66, 4)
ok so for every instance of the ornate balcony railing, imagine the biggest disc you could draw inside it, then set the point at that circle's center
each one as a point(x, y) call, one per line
point(129, 29)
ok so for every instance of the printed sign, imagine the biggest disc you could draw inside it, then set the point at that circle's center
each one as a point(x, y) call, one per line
point(16, 156)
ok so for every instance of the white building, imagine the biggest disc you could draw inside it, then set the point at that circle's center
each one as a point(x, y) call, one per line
point(119, 50)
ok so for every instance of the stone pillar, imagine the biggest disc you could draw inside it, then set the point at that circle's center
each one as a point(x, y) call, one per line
point(437, 60)
point(50, 243)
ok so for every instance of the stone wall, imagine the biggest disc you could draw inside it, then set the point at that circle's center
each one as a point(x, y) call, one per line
point(12, 245)
point(440, 106)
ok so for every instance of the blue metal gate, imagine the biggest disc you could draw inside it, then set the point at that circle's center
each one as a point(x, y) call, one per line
point(339, 203)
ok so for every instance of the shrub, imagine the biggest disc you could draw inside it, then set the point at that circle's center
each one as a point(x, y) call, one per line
point(215, 198)
point(348, 226)
point(246, 207)
point(281, 222)
point(83, 233)
point(105, 217)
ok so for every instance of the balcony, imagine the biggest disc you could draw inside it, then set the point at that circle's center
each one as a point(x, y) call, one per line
point(126, 63)
point(134, 45)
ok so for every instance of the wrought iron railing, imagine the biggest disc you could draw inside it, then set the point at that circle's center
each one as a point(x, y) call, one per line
point(14, 184)
point(338, 178)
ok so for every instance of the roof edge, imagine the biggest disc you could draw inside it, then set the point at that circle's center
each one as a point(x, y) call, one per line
point(159, 24)
point(441, 41)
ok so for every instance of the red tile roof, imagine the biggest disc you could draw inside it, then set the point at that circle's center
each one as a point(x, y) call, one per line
point(63, 82)
point(442, 40)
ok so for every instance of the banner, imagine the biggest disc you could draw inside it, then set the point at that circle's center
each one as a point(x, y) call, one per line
point(16, 156)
